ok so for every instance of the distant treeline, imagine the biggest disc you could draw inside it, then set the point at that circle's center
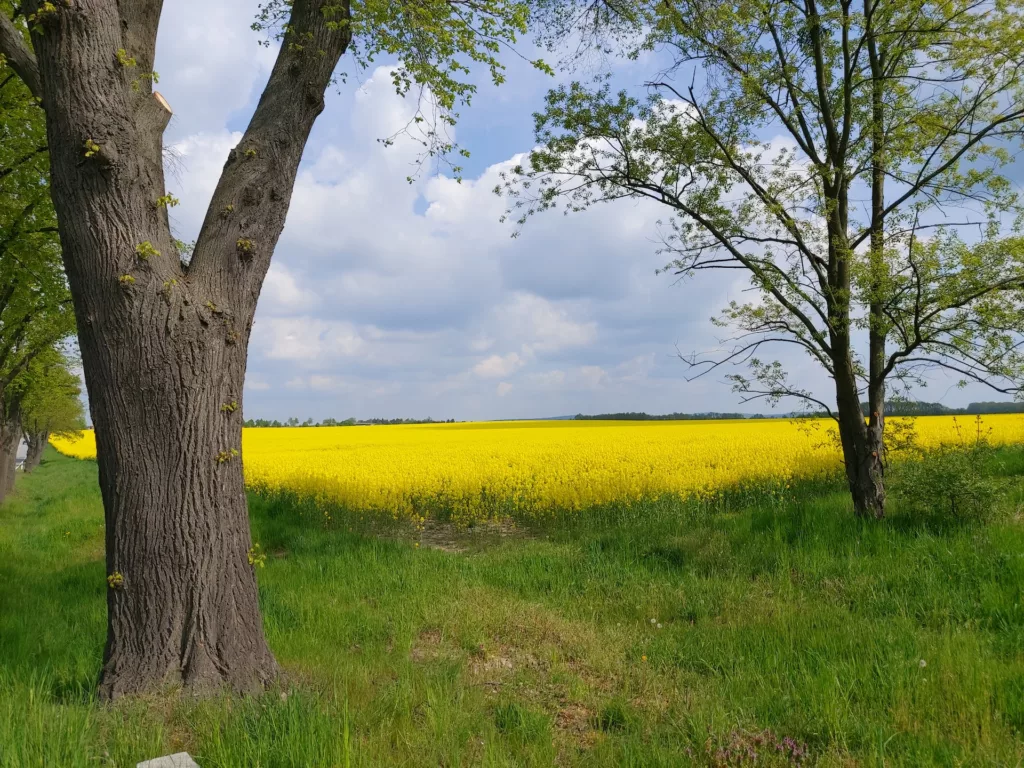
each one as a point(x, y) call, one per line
point(893, 408)
point(918, 408)
point(632, 416)
point(293, 422)
point(406, 421)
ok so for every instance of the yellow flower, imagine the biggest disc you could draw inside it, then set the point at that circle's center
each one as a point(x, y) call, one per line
point(474, 472)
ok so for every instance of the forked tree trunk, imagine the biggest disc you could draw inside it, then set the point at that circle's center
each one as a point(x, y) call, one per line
point(865, 471)
point(163, 344)
point(35, 444)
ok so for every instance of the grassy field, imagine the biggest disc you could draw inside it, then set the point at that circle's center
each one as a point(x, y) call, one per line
point(658, 634)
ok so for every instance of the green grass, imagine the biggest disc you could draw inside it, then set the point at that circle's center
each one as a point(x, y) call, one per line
point(897, 643)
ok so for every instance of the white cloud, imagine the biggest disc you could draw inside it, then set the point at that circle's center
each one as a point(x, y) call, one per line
point(256, 384)
point(209, 62)
point(306, 339)
point(195, 166)
point(593, 376)
point(481, 343)
point(497, 366)
point(282, 292)
point(343, 385)
point(395, 299)
point(637, 368)
point(329, 384)
point(546, 380)
point(543, 326)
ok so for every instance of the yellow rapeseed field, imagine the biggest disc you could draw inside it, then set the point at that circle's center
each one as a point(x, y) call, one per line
point(486, 469)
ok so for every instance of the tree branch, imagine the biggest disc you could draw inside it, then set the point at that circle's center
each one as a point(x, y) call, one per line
point(4, 172)
point(19, 56)
point(248, 208)
point(140, 21)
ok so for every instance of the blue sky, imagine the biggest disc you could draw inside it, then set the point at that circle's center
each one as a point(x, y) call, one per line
point(387, 299)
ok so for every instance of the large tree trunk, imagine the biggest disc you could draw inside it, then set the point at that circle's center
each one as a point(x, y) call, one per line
point(35, 445)
point(163, 344)
point(182, 601)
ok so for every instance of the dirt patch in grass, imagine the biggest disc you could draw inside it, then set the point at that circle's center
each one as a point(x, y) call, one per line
point(427, 646)
point(574, 719)
point(495, 666)
point(452, 538)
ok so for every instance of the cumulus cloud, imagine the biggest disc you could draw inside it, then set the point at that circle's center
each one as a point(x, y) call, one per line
point(306, 339)
point(544, 326)
point(497, 366)
point(282, 292)
point(209, 62)
point(392, 298)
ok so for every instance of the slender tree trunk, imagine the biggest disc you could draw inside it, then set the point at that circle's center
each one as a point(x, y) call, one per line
point(35, 445)
point(10, 439)
point(877, 329)
point(862, 446)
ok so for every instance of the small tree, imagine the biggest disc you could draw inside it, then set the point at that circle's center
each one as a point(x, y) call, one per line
point(50, 405)
point(880, 237)
point(35, 307)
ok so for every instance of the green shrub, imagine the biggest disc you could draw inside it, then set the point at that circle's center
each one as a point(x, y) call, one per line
point(953, 481)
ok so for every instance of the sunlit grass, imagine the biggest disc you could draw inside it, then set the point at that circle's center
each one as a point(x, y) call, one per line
point(897, 643)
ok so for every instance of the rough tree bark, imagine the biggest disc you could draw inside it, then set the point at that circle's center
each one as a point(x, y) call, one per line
point(10, 439)
point(35, 445)
point(163, 344)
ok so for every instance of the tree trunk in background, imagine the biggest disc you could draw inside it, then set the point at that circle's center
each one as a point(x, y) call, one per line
point(877, 328)
point(36, 444)
point(10, 439)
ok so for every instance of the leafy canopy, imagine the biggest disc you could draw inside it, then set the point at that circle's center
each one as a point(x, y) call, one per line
point(438, 43)
point(51, 403)
point(851, 158)
point(35, 304)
